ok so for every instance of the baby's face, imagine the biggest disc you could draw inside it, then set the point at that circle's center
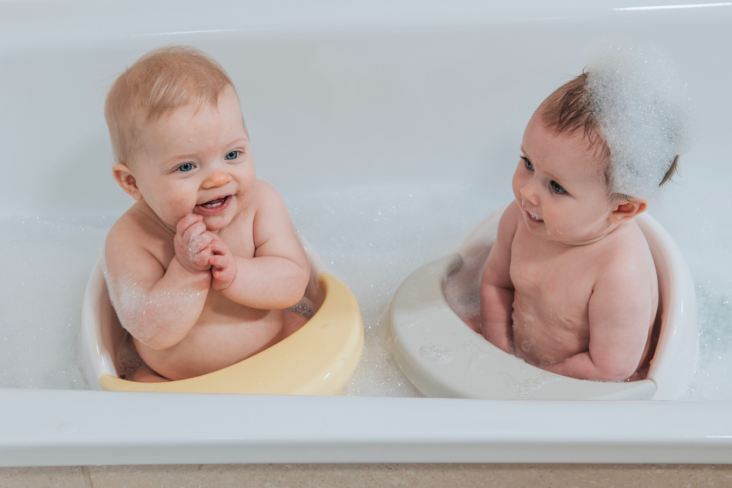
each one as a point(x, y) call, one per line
point(197, 162)
point(559, 185)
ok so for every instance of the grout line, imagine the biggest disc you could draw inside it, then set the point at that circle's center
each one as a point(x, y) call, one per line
point(87, 477)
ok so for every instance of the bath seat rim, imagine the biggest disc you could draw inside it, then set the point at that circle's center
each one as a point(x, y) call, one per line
point(668, 377)
point(336, 327)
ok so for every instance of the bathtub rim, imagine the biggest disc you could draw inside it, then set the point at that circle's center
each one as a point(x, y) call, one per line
point(78, 428)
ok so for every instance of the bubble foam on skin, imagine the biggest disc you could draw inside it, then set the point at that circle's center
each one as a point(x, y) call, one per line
point(128, 297)
point(644, 112)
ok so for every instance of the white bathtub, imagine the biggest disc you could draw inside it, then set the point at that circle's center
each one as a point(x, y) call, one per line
point(338, 97)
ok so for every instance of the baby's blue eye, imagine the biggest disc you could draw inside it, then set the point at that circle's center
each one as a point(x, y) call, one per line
point(185, 167)
point(527, 163)
point(557, 187)
point(232, 155)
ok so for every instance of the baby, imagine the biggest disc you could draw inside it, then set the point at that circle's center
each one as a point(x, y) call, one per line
point(201, 267)
point(570, 284)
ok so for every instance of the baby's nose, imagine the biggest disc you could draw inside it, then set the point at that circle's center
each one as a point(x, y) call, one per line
point(217, 178)
point(528, 193)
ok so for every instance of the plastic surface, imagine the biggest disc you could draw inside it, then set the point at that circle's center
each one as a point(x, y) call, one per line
point(318, 359)
point(443, 357)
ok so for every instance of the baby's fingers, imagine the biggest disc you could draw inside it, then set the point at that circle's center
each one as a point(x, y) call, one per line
point(199, 242)
point(220, 275)
point(217, 261)
point(193, 231)
point(223, 277)
point(186, 222)
point(218, 246)
point(201, 259)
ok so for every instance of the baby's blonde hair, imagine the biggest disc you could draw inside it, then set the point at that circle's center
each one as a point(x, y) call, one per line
point(160, 82)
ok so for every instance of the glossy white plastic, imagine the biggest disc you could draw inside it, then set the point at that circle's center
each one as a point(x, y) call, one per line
point(443, 357)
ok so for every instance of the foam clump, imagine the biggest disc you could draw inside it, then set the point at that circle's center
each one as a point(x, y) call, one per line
point(645, 115)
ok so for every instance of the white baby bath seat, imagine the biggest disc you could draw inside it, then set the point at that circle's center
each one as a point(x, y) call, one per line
point(444, 357)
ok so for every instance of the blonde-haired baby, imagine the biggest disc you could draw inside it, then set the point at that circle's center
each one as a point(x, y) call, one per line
point(570, 284)
point(201, 267)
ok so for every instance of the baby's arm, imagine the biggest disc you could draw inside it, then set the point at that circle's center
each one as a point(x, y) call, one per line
point(157, 306)
point(620, 312)
point(276, 277)
point(496, 288)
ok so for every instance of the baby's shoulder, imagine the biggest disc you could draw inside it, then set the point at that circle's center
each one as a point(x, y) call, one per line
point(266, 201)
point(626, 254)
point(135, 229)
point(265, 194)
point(512, 213)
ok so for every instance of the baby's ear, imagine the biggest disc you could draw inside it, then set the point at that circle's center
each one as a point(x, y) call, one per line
point(126, 180)
point(627, 208)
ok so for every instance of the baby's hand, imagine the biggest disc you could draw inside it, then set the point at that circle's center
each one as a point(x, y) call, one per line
point(193, 243)
point(224, 266)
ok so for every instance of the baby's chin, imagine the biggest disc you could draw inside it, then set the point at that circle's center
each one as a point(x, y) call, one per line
point(547, 231)
point(220, 215)
point(569, 238)
point(216, 222)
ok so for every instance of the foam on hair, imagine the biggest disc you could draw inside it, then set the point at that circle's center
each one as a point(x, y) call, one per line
point(160, 82)
point(633, 109)
point(644, 116)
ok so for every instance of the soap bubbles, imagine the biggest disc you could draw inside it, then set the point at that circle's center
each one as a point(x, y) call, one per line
point(644, 112)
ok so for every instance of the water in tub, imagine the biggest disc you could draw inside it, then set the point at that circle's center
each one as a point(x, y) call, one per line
point(371, 238)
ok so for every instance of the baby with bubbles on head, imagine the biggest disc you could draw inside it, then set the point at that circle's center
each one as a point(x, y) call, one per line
point(570, 285)
point(202, 267)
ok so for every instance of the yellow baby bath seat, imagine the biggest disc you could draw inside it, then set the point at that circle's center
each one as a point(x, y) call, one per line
point(443, 357)
point(318, 359)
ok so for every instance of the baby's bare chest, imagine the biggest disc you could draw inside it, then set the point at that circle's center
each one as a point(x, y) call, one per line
point(239, 239)
point(553, 284)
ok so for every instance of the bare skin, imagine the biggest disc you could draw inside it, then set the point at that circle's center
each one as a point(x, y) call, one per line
point(202, 265)
point(570, 284)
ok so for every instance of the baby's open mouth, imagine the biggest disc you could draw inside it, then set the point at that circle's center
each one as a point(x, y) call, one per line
point(214, 206)
point(533, 217)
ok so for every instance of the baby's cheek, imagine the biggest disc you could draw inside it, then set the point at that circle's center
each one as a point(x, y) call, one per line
point(554, 221)
point(181, 207)
point(248, 181)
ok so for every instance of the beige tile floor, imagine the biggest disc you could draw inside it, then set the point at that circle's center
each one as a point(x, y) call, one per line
point(372, 475)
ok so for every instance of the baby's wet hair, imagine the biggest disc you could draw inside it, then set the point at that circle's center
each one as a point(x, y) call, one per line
point(160, 82)
point(570, 108)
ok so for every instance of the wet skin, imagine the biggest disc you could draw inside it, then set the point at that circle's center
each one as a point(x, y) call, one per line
point(201, 266)
point(570, 284)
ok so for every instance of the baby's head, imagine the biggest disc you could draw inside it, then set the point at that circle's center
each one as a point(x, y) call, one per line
point(599, 147)
point(179, 138)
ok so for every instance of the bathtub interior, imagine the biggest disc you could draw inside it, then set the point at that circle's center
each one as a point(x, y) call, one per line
point(388, 134)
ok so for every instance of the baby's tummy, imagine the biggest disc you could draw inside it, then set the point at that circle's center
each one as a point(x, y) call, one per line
point(543, 339)
point(219, 339)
